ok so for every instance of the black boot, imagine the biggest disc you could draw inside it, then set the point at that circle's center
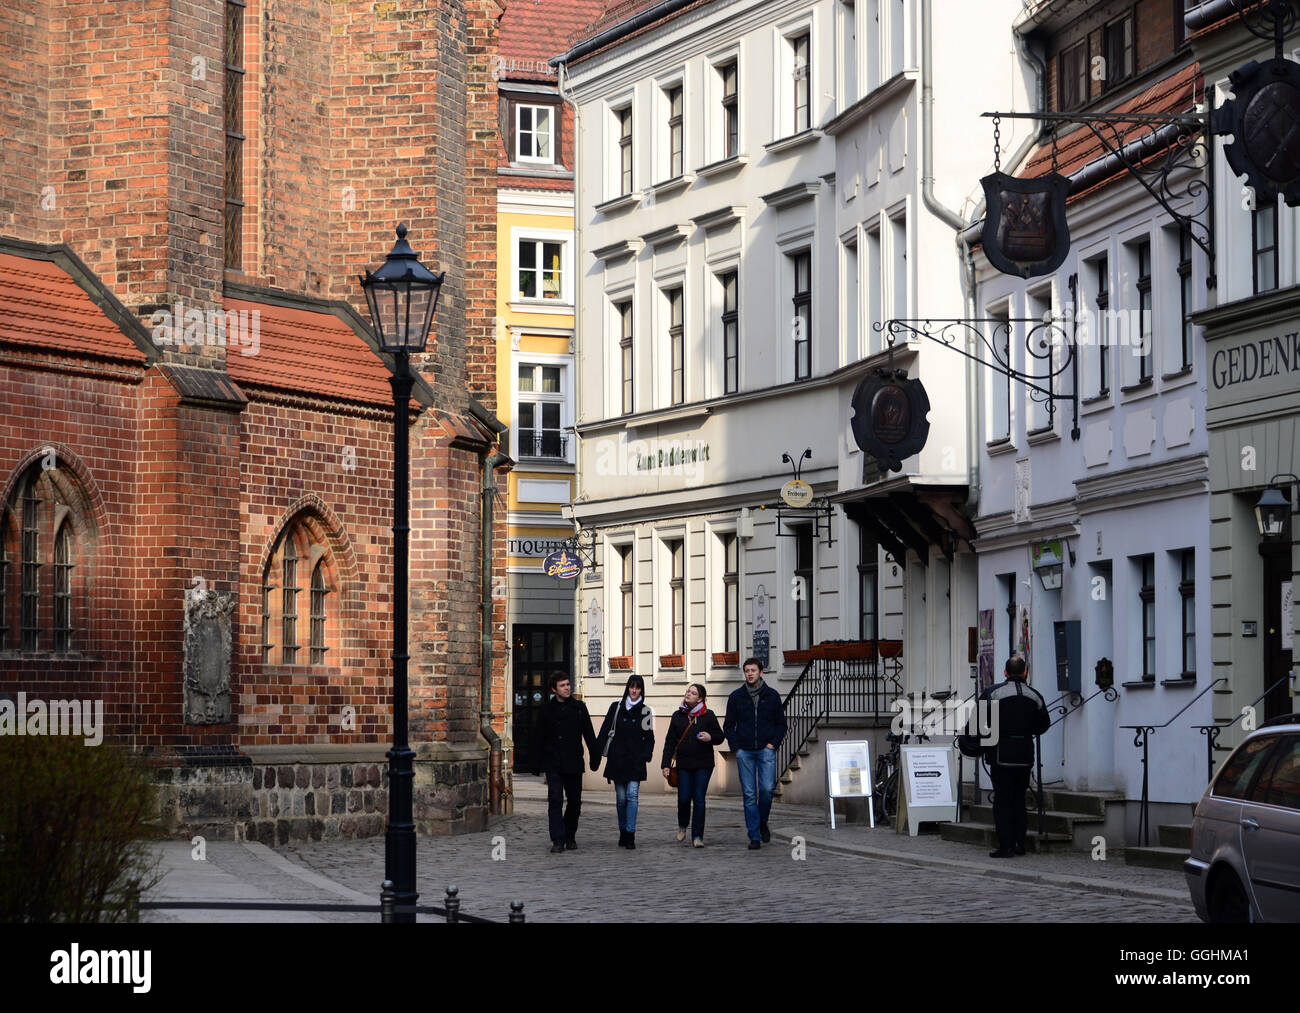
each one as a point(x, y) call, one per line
point(631, 840)
point(622, 838)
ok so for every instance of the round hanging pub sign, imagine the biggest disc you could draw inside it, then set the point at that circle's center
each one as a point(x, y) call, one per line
point(796, 493)
point(1264, 118)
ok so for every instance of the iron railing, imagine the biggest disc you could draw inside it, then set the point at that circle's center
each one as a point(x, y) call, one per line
point(542, 443)
point(1141, 739)
point(826, 688)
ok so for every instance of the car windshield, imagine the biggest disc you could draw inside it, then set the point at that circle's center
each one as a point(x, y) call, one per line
point(1234, 780)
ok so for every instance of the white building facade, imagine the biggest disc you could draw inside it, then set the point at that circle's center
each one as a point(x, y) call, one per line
point(753, 197)
point(1121, 502)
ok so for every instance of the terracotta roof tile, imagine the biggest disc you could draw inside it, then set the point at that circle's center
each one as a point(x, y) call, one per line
point(308, 352)
point(1176, 93)
point(534, 31)
point(41, 305)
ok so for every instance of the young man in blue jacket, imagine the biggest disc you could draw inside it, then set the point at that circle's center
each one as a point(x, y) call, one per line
point(755, 726)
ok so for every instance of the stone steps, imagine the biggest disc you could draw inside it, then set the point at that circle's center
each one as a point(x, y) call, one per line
point(985, 835)
point(1055, 821)
point(1156, 857)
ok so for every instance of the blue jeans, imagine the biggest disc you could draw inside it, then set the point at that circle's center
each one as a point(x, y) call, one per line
point(691, 786)
point(625, 799)
point(758, 796)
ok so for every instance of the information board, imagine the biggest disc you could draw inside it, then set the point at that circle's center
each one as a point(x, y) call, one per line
point(928, 782)
point(848, 774)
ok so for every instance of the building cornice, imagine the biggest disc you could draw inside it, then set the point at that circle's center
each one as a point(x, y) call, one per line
point(616, 251)
point(898, 85)
point(791, 195)
point(722, 217)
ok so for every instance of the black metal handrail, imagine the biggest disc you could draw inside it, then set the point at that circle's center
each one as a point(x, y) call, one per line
point(1212, 732)
point(1141, 739)
point(1110, 692)
point(542, 443)
point(805, 709)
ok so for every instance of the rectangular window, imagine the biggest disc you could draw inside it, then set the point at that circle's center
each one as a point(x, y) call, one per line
point(799, 46)
point(1147, 603)
point(803, 571)
point(234, 127)
point(30, 618)
point(868, 587)
point(849, 46)
point(289, 600)
point(677, 345)
point(730, 331)
point(541, 402)
point(625, 353)
point(1185, 294)
point(1072, 77)
point(731, 592)
point(535, 133)
point(1263, 232)
point(730, 109)
point(875, 292)
point(851, 306)
point(1101, 269)
point(1009, 585)
point(626, 612)
point(1000, 337)
point(898, 244)
point(677, 587)
point(541, 269)
point(897, 37)
point(675, 132)
point(267, 646)
point(1040, 309)
point(318, 592)
point(63, 591)
point(1146, 356)
point(1118, 50)
point(1187, 591)
point(625, 149)
point(802, 266)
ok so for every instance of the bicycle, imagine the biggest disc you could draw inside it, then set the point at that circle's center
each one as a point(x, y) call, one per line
point(885, 780)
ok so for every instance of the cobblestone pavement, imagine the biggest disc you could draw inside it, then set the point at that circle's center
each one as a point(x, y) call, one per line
point(664, 881)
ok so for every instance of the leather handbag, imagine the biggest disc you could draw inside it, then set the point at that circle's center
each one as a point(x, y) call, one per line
point(672, 764)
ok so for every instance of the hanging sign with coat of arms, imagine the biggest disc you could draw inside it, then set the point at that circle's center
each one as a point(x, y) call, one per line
point(1025, 232)
point(889, 417)
point(1264, 119)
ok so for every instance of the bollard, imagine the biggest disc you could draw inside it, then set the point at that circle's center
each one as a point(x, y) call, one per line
point(452, 904)
point(516, 912)
point(387, 901)
point(133, 899)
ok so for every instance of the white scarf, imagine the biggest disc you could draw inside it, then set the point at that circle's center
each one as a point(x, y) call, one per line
point(629, 703)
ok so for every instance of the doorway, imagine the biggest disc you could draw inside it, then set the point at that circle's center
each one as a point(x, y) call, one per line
point(1278, 652)
point(537, 653)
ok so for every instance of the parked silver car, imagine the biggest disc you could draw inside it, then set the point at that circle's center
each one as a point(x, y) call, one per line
point(1245, 857)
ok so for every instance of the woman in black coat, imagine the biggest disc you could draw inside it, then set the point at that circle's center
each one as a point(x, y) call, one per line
point(693, 735)
point(628, 739)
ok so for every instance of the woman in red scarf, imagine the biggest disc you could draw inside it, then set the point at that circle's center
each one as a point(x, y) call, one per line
point(693, 734)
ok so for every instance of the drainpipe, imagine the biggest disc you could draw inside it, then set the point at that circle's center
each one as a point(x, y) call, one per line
point(496, 782)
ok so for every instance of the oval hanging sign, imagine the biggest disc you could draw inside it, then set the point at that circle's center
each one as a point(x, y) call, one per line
point(797, 493)
point(561, 565)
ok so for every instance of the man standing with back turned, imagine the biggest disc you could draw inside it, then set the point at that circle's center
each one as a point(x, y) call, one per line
point(1021, 716)
point(755, 726)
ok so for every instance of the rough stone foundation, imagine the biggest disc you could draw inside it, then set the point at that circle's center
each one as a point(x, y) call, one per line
point(243, 799)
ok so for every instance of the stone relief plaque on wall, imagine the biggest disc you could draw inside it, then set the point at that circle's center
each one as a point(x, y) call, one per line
point(207, 655)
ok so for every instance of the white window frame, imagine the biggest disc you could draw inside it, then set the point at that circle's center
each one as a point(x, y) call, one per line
point(716, 331)
point(716, 142)
point(663, 595)
point(613, 151)
point(551, 112)
point(614, 599)
point(783, 106)
point(1038, 419)
point(848, 49)
point(998, 391)
point(663, 133)
point(853, 346)
point(536, 304)
point(716, 593)
point(662, 357)
point(566, 400)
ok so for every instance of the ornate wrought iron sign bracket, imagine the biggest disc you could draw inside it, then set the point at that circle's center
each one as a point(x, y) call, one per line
point(1157, 150)
point(1043, 337)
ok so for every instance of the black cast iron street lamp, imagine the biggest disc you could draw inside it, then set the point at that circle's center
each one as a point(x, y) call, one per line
point(1273, 508)
point(403, 295)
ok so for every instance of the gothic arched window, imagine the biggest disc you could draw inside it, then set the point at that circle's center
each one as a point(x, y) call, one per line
point(301, 570)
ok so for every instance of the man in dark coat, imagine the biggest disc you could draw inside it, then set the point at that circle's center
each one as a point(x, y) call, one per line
point(1021, 716)
point(755, 726)
point(562, 725)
